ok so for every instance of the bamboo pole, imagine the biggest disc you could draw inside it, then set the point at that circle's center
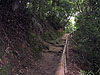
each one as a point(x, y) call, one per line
point(61, 70)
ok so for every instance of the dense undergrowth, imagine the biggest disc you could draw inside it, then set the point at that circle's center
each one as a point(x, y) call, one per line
point(87, 36)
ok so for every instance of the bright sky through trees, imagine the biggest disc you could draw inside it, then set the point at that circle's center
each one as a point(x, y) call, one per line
point(72, 19)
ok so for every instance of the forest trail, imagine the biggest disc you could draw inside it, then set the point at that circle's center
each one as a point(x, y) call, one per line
point(48, 63)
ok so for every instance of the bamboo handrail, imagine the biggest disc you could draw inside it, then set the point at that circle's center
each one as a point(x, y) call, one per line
point(62, 69)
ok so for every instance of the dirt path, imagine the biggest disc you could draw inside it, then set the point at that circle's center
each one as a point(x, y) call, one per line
point(48, 63)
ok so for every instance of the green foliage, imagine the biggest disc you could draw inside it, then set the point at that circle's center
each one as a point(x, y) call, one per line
point(90, 72)
point(88, 33)
point(83, 72)
point(55, 12)
point(48, 36)
point(36, 44)
point(60, 33)
point(71, 27)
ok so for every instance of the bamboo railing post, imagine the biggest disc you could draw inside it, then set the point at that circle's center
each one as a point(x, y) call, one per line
point(62, 68)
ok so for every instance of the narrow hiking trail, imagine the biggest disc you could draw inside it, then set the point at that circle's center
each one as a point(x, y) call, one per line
point(49, 61)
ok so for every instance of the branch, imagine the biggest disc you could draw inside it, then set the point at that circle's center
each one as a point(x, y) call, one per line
point(10, 43)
